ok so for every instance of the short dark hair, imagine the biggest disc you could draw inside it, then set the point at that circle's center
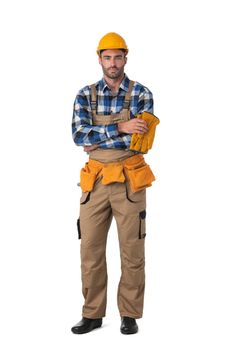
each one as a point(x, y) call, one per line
point(123, 50)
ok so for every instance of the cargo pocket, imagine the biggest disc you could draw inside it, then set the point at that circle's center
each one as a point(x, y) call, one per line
point(142, 224)
point(135, 197)
point(78, 228)
point(140, 178)
point(85, 197)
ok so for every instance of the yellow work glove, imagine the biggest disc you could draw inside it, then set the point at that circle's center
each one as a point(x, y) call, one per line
point(152, 121)
point(145, 144)
point(139, 143)
point(136, 142)
point(142, 143)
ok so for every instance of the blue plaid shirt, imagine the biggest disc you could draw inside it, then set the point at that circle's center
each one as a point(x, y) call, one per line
point(107, 136)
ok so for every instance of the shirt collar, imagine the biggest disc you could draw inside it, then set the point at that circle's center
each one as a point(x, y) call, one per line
point(124, 84)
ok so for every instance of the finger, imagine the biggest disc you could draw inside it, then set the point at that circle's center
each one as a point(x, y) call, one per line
point(141, 121)
point(87, 148)
point(142, 129)
point(140, 132)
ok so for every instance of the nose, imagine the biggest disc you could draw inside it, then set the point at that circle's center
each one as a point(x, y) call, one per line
point(113, 62)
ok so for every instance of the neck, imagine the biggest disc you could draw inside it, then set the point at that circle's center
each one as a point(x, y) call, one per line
point(114, 83)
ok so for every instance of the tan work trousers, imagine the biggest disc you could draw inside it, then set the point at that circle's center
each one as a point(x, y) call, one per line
point(97, 208)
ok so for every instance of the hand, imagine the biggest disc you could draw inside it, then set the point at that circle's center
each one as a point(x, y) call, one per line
point(133, 126)
point(89, 148)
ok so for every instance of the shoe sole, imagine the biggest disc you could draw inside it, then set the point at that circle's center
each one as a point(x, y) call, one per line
point(126, 332)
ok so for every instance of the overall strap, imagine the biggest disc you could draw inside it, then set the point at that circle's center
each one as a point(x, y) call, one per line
point(93, 98)
point(126, 104)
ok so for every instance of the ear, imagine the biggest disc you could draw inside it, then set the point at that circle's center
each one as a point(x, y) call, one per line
point(100, 60)
point(126, 59)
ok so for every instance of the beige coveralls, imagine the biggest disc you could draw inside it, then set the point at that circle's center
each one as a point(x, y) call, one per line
point(97, 208)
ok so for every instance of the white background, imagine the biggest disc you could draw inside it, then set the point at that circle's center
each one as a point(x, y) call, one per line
point(181, 50)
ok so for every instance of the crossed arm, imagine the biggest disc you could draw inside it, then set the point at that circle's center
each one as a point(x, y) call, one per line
point(91, 137)
point(135, 125)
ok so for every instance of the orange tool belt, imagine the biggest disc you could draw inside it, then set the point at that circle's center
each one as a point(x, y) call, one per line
point(133, 169)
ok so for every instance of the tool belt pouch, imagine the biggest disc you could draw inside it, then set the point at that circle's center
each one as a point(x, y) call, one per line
point(112, 173)
point(87, 179)
point(140, 178)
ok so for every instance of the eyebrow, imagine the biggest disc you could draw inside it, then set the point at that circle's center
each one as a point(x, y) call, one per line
point(107, 56)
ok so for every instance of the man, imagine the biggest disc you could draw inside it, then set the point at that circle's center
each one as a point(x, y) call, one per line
point(111, 121)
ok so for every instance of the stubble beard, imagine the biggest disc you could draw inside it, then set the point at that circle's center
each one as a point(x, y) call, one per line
point(113, 75)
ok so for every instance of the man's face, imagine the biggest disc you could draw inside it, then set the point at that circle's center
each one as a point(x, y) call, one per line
point(113, 62)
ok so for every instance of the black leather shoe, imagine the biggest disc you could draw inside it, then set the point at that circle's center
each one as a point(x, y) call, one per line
point(128, 325)
point(86, 325)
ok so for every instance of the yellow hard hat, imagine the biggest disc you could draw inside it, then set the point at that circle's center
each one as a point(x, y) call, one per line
point(112, 41)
